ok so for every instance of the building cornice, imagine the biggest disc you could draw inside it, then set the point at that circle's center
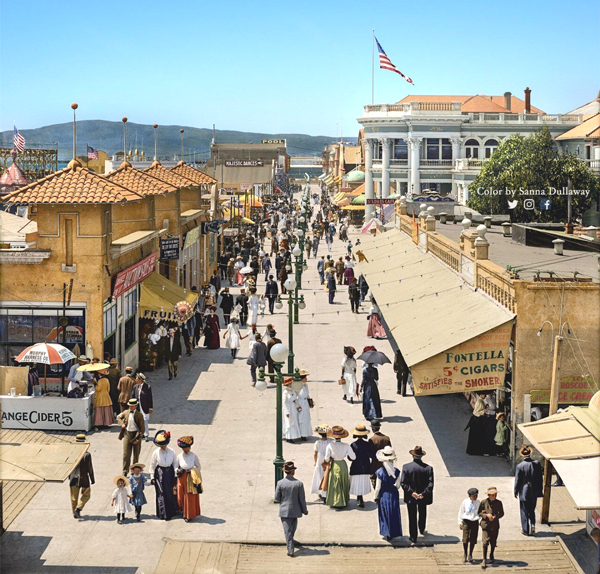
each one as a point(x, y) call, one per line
point(24, 256)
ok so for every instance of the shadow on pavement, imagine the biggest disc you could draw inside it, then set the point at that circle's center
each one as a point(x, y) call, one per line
point(23, 555)
point(446, 416)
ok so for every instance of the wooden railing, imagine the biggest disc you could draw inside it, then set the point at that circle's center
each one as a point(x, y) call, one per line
point(445, 250)
point(492, 279)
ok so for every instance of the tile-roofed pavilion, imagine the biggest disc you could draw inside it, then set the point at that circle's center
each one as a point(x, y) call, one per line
point(73, 184)
point(139, 181)
point(159, 171)
point(195, 175)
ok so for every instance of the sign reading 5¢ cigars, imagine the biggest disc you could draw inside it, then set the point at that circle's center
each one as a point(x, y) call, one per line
point(478, 364)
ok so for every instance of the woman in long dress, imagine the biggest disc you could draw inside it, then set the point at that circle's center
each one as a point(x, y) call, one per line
point(387, 496)
point(360, 469)
point(239, 276)
point(348, 271)
point(253, 301)
point(350, 387)
point(232, 336)
point(211, 329)
point(478, 443)
point(320, 447)
point(375, 328)
point(188, 477)
point(291, 426)
point(162, 470)
point(103, 411)
point(304, 412)
point(371, 402)
point(338, 482)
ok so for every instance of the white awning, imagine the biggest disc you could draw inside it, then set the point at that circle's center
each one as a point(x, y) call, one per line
point(427, 307)
point(581, 477)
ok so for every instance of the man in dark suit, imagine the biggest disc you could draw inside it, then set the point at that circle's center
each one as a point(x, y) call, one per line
point(173, 352)
point(80, 481)
point(417, 483)
point(143, 393)
point(528, 487)
point(226, 304)
point(273, 340)
point(271, 292)
point(242, 301)
point(278, 263)
point(378, 441)
point(131, 433)
point(289, 493)
point(215, 281)
point(402, 371)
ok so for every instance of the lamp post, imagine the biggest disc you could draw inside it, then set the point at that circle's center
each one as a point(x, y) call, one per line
point(278, 354)
point(290, 286)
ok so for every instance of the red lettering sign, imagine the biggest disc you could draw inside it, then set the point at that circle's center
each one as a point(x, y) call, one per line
point(134, 274)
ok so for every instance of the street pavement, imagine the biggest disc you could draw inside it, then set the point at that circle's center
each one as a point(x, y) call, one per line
point(234, 430)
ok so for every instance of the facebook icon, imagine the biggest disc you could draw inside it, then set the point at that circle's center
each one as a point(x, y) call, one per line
point(545, 204)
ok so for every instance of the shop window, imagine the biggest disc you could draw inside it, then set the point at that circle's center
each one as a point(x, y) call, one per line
point(20, 328)
point(110, 321)
point(130, 332)
point(46, 329)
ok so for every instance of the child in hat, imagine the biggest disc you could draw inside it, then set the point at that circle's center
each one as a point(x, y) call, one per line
point(120, 498)
point(136, 484)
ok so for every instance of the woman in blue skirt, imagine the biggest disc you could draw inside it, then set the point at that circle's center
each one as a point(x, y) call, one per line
point(371, 404)
point(386, 495)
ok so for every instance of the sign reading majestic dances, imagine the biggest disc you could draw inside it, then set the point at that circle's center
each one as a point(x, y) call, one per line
point(134, 274)
point(169, 248)
point(244, 163)
point(478, 364)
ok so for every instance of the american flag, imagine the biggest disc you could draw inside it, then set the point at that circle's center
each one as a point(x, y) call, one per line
point(18, 140)
point(386, 64)
point(92, 153)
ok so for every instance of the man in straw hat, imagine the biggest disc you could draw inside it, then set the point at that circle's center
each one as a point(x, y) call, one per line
point(490, 512)
point(143, 393)
point(528, 487)
point(80, 481)
point(417, 483)
point(132, 432)
point(289, 493)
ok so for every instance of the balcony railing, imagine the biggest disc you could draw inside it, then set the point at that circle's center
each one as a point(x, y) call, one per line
point(435, 163)
point(465, 164)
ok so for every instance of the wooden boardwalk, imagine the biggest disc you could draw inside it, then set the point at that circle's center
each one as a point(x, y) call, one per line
point(16, 494)
point(531, 556)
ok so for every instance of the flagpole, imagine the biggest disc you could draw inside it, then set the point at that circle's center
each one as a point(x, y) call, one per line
point(74, 106)
point(373, 68)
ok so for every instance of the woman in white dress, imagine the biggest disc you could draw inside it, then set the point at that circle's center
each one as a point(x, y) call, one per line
point(253, 301)
point(304, 402)
point(232, 336)
point(349, 374)
point(291, 427)
point(320, 447)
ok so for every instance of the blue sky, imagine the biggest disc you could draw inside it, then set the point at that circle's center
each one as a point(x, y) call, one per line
point(301, 67)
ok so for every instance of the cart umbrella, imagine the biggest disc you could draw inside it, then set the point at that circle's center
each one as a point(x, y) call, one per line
point(45, 354)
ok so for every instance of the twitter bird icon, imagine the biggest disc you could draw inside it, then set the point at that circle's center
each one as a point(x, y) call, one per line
point(512, 204)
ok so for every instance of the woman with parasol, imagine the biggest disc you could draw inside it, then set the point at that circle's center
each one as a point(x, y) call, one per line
point(369, 387)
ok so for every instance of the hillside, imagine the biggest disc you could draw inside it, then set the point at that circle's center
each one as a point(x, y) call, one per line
point(108, 136)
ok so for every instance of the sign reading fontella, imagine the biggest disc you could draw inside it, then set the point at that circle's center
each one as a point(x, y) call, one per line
point(574, 390)
point(475, 365)
point(134, 274)
point(244, 163)
point(169, 248)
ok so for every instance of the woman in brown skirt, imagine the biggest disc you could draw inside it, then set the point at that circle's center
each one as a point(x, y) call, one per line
point(189, 479)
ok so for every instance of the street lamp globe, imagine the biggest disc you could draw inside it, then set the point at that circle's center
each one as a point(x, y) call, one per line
point(260, 386)
point(296, 252)
point(290, 284)
point(302, 219)
point(278, 305)
point(302, 305)
point(299, 232)
point(279, 353)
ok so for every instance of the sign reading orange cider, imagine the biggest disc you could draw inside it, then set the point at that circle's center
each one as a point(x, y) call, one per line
point(478, 364)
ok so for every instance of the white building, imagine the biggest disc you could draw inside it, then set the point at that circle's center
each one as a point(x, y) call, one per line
point(439, 143)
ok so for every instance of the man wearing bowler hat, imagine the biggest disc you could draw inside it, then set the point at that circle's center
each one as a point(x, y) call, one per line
point(417, 483)
point(289, 493)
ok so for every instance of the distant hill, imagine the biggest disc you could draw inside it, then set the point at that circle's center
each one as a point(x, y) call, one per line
point(108, 136)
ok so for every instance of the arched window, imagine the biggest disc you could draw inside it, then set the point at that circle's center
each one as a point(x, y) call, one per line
point(490, 147)
point(472, 148)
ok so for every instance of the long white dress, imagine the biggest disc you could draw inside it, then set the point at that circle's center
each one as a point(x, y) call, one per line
point(291, 427)
point(232, 336)
point(304, 414)
point(253, 309)
point(349, 367)
point(121, 498)
point(318, 472)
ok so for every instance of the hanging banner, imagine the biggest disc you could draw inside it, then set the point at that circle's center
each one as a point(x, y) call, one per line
point(134, 274)
point(478, 364)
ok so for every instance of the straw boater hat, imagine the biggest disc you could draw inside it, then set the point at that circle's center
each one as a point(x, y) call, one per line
point(386, 454)
point(120, 477)
point(132, 402)
point(141, 376)
point(323, 429)
point(129, 369)
point(185, 441)
point(82, 358)
point(137, 465)
point(492, 490)
point(339, 432)
point(360, 430)
point(162, 438)
point(80, 438)
point(113, 362)
point(500, 415)
point(417, 451)
point(525, 451)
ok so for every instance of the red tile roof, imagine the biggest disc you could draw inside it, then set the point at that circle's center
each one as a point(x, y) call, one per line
point(159, 171)
point(13, 177)
point(73, 184)
point(192, 173)
point(139, 181)
point(477, 103)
